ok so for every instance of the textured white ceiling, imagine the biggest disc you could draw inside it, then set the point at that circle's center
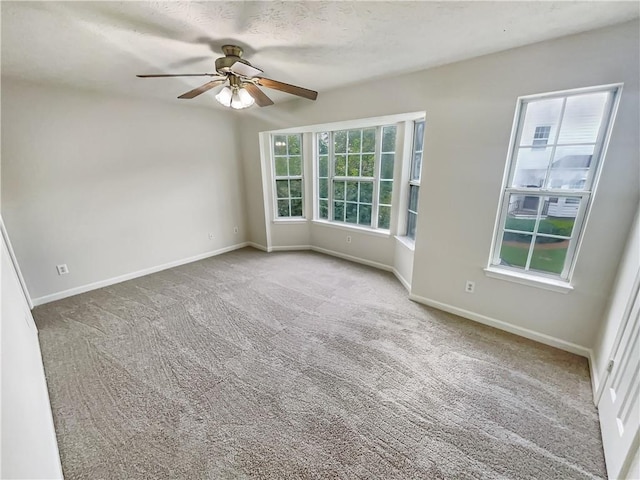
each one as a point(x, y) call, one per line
point(319, 45)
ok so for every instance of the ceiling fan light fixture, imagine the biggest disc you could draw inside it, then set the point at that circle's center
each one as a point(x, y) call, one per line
point(241, 99)
point(245, 98)
point(225, 96)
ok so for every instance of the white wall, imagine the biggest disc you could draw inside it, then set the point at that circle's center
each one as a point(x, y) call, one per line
point(469, 111)
point(29, 447)
point(112, 185)
point(622, 291)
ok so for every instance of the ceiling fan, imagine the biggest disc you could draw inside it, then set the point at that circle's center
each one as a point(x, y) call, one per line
point(243, 82)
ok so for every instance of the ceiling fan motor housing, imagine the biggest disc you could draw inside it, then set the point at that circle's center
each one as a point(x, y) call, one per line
point(233, 54)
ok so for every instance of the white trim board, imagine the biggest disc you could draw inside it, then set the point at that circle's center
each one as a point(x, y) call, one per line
point(595, 382)
point(402, 280)
point(257, 246)
point(129, 276)
point(507, 327)
point(14, 260)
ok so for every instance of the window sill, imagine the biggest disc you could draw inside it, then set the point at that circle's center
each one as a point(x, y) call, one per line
point(530, 280)
point(351, 228)
point(288, 221)
point(410, 243)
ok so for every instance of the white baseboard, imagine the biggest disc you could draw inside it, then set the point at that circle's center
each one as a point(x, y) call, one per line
point(257, 246)
point(129, 276)
point(507, 327)
point(402, 280)
point(351, 258)
point(290, 248)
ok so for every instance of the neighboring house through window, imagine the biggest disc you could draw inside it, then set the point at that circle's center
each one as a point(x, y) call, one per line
point(414, 178)
point(287, 160)
point(541, 136)
point(550, 181)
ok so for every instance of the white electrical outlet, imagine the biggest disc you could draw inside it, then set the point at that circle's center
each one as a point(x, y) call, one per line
point(470, 286)
point(62, 269)
point(348, 238)
point(235, 229)
point(211, 236)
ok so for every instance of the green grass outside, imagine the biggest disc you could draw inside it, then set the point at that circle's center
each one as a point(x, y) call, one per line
point(549, 260)
point(552, 225)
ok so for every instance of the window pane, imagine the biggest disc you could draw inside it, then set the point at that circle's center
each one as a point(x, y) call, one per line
point(294, 144)
point(522, 212)
point(366, 192)
point(384, 217)
point(531, 167)
point(386, 168)
point(389, 139)
point(282, 188)
point(323, 143)
point(352, 191)
point(338, 190)
point(582, 118)
point(323, 166)
point(338, 211)
point(541, 113)
point(324, 209)
point(560, 217)
point(355, 141)
point(369, 140)
point(279, 145)
point(549, 255)
point(515, 249)
point(416, 166)
point(385, 192)
point(296, 207)
point(411, 225)
point(418, 136)
point(295, 166)
point(351, 213)
point(281, 166)
point(341, 166)
point(283, 208)
point(367, 165)
point(364, 216)
point(570, 167)
point(340, 141)
point(353, 165)
point(323, 188)
point(295, 188)
point(413, 197)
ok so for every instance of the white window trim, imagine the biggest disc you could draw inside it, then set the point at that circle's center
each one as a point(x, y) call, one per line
point(309, 153)
point(275, 178)
point(375, 179)
point(351, 227)
point(552, 282)
point(413, 182)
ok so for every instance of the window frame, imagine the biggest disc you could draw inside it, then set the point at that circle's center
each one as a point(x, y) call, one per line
point(412, 181)
point(332, 178)
point(288, 177)
point(586, 193)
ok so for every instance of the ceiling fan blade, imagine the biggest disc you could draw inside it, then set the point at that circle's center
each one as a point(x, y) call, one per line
point(203, 88)
point(245, 70)
point(285, 87)
point(178, 75)
point(258, 95)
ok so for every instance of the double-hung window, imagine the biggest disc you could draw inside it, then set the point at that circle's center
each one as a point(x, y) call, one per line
point(287, 158)
point(355, 175)
point(555, 159)
point(414, 178)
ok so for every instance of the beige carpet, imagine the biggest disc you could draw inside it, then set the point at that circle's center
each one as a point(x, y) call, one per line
point(298, 365)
